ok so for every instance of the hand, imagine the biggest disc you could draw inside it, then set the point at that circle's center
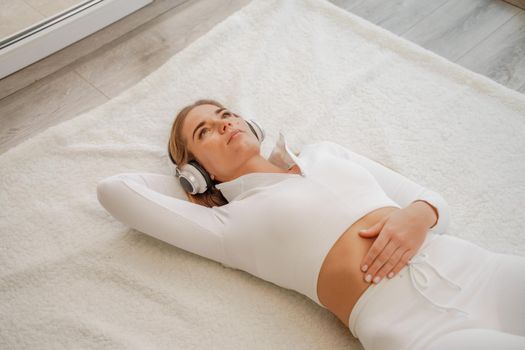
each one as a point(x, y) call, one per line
point(400, 235)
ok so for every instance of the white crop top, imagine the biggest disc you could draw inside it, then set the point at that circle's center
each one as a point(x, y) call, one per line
point(278, 226)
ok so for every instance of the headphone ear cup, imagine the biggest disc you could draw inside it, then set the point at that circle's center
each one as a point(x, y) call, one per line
point(257, 130)
point(194, 179)
point(208, 183)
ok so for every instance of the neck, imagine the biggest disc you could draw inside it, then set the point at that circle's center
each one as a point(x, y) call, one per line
point(258, 164)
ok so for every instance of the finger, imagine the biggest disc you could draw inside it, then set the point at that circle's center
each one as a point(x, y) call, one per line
point(407, 255)
point(389, 265)
point(372, 231)
point(376, 248)
point(380, 260)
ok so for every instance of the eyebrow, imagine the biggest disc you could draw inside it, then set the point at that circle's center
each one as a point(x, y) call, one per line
point(202, 123)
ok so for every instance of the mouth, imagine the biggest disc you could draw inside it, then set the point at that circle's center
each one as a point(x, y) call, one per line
point(233, 135)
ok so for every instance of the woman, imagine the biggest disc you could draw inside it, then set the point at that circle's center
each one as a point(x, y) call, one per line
point(297, 220)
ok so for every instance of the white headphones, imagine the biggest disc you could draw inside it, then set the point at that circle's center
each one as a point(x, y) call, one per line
point(194, 178)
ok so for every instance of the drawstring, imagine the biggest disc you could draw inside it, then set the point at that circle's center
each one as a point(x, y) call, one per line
point(413, 270)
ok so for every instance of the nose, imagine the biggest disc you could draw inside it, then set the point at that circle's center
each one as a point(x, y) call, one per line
point(223, 124)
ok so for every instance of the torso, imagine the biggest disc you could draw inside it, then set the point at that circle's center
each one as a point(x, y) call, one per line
point(340, 282)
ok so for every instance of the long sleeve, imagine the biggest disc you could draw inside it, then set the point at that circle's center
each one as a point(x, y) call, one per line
point(147, 202)
point(399, 188)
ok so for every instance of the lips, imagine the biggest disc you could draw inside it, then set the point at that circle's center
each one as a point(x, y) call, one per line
point(235, 132)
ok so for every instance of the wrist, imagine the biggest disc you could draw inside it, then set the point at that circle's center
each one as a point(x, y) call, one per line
point(432, 212)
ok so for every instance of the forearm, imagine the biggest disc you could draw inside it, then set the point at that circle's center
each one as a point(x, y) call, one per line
point(428, 212)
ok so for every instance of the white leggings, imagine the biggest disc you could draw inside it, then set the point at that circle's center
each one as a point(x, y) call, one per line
point(453, 294)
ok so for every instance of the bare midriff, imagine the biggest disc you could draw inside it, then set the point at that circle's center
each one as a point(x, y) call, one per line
point(340, 282)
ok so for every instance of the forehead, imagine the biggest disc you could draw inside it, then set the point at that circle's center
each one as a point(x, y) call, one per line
point(200, 113)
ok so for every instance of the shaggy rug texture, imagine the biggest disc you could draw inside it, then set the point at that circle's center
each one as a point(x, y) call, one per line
point(71, 276)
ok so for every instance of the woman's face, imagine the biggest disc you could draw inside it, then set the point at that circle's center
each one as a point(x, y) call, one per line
point(207, 129)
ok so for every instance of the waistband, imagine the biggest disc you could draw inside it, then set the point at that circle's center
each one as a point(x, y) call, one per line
point(414, 270)
point(418, 279)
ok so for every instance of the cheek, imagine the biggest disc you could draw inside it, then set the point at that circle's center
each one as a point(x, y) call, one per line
point(214, 153)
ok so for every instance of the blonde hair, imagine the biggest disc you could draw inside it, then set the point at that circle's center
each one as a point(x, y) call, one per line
point(179, 151)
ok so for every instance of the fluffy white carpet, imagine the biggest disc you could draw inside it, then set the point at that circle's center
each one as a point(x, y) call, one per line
point(74, 277)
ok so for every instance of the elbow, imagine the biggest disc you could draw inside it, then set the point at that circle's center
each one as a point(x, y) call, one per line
point(106, 192)
point(103, 189)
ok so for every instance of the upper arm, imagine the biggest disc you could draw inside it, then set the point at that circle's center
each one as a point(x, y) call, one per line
point(146, 202)
point(399, 188)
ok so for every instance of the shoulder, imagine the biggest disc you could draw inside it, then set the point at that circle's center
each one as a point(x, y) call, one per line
point(319, 150)
point(324, 145)
point(329, 148)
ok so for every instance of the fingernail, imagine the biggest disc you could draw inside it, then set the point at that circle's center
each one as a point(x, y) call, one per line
point(368, 278)
point(390, 275)
point(377, 279)
point(364, 268)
